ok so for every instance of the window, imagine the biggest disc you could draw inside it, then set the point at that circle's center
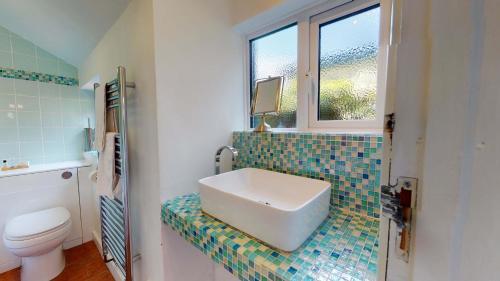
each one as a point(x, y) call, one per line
point(275, 54)
point(348, 67)
point(337, 53)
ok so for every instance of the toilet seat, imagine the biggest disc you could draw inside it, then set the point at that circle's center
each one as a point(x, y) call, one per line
point(37, 238)
point(36, 228)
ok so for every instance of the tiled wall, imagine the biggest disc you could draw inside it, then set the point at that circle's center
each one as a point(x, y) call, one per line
point(351, 163)
point(41, 117)
point(18, 53)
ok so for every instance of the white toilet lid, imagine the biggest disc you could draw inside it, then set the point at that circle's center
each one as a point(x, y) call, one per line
point(37, 223)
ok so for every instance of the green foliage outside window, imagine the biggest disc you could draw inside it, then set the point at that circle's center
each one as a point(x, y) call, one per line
point(339, 101)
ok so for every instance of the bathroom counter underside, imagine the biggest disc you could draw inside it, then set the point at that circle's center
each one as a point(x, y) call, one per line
point(344, 247)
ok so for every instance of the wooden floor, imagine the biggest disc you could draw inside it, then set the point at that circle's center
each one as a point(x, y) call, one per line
point(82, 263)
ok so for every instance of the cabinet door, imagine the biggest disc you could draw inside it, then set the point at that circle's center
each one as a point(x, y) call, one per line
point(89, 204)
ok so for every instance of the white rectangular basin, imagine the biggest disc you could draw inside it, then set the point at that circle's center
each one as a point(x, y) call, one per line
point(279, 209)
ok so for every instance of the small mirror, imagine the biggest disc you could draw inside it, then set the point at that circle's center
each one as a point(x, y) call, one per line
point(267, 100)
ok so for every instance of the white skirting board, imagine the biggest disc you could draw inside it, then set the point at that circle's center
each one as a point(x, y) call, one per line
point(4, 267)
point(115, 271)
point(72, 243)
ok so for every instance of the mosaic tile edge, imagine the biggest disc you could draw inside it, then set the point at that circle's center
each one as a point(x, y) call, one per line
point(344, 247)
point(37, 76)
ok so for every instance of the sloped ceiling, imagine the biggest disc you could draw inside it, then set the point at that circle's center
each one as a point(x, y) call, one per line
point(69, 29)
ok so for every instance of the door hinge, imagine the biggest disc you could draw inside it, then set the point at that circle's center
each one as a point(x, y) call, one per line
point(389, 123)
point(398, 204)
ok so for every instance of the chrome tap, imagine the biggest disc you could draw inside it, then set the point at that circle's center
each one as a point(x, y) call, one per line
point(218, 155)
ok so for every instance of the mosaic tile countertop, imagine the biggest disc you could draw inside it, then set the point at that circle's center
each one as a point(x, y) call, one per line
point(344, 247)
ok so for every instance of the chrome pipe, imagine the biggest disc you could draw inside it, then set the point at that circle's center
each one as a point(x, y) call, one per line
point(122, 84)
point(218, 154)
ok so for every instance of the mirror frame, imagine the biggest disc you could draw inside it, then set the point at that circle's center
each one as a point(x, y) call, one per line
point(277, 103)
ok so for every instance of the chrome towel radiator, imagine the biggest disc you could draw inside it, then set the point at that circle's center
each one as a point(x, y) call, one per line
point(115, 213)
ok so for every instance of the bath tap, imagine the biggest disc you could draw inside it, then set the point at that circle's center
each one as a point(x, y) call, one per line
point(234, 153)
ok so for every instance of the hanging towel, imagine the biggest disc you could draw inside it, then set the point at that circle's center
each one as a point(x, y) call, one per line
point(100, 121)
point(117, 192)
point(112, 120)
point(106, 177)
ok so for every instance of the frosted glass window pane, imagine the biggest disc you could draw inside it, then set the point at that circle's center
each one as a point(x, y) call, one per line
point(348, 67)
point(275, 54)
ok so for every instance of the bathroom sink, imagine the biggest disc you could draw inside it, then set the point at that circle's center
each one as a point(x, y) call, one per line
point(279, 209)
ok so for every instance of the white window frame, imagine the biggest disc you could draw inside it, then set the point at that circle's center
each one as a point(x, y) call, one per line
point(308, 22)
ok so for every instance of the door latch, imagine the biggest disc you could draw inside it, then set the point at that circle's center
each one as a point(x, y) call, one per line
point(398, 202)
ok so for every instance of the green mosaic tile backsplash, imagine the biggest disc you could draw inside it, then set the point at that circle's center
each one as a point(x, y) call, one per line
point(351, 162)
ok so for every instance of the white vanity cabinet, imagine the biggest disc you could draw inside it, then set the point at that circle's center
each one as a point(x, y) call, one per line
point(39, 189)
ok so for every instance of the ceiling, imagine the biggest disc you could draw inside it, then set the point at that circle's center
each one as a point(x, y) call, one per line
point(69, 29)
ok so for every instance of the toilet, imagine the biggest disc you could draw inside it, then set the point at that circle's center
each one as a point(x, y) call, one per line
point(37, 239)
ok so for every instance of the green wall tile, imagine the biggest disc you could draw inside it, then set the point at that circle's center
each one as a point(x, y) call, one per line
point(8, 119)
point(22, 46)
point(29, 119)
point(26, 103)
point(31, 150)
point(8, 135)
point(6, 86)
point(49, 90)
point(52, 119)
point(7, 102)
point(30, 134)
point(50, 105)
point(9, 150)
point(47, 66)
point(5, 59)
point(26, 88)
point(35, 82)
point(5, 43)
point(25, 62)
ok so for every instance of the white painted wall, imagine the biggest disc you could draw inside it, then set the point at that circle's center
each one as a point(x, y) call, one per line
point(243, 9)
point(199, 74)
point(130, 43)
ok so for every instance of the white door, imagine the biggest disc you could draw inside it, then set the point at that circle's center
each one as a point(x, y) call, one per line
point(443, 87)
point(403, 38)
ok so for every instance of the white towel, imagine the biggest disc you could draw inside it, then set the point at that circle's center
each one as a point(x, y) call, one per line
point(117, 192)
point(106, 178)
point(100, 120)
